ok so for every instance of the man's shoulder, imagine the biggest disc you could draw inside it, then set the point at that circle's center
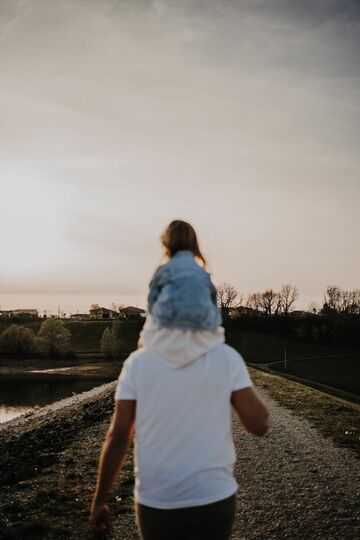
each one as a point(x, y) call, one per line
point(139, 356)
point(227, 351)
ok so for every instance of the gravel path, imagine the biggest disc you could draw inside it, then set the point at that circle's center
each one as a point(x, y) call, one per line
point(294, 483)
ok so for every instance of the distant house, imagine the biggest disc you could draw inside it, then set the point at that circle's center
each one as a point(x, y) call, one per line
point(23, 313)
point(299, 314)
point(133, 312)
point(241, 310)
point(80, 316)
point(103, 313)
point(5, 314)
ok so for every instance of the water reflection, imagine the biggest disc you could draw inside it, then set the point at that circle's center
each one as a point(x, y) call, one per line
point(22, 393)
point(8, 413)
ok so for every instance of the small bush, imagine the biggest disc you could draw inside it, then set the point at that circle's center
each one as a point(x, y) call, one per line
point(112, 343)
point(53, 338)
point(18, 340)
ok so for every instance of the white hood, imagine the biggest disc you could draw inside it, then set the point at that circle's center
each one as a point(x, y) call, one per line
point(178, 348)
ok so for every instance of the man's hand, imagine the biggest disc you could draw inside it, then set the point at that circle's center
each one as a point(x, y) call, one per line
point(100, 518)
point(112, 456)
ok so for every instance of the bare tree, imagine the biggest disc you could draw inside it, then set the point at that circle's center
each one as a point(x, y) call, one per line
point(350, 302)
point(332, 298)
point(268, 301)
point(94, 306)
point(287, 297)
point(253, 301)
point(278, 305)
point(228, 297)
point(313, 308)
point(117, 307)
point(341, 301)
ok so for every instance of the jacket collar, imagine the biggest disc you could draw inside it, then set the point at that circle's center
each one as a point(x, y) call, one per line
point(183, 253)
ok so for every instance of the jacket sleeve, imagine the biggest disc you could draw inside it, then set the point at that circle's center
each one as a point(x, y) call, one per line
point(154, 288)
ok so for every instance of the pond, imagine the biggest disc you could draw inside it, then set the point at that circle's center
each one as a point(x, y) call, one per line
point(26, 391)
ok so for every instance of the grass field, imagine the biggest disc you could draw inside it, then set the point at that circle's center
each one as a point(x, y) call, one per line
point(341, 371)
point(266, 348)
point(86, 335)
point(33, 324)
point(332, 416)
point(326, 364)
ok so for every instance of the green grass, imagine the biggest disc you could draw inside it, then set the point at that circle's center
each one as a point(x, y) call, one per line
point(331, 416)
point(86, 335)
point(33, 324)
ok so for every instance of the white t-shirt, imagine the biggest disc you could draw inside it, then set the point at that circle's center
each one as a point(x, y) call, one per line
point(184, 451)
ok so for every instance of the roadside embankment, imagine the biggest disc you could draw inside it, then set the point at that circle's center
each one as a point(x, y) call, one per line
point(332, 416)
point(49, 431)
point(48, 468)
point(294, 483)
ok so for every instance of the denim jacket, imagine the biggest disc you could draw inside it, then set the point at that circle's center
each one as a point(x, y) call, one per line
point(182, 296)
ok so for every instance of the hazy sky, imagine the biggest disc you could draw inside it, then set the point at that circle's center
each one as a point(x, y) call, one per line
point(242, 117)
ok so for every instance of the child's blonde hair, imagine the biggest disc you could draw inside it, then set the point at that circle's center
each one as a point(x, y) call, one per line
point(180, 235)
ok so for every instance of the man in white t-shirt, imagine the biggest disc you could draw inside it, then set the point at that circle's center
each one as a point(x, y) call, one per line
point(184, 451)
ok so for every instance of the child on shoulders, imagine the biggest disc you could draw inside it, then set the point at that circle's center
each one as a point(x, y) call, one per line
point(184, 320)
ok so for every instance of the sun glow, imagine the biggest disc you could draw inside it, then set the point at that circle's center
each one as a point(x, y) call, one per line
point(30, 223)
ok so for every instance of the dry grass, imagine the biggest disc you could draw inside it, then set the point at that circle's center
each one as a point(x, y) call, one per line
point(331, 416)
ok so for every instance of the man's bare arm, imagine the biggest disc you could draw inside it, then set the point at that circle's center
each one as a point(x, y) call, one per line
point(251, 410)
point(112, 455)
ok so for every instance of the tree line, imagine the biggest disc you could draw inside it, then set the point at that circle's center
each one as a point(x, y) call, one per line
point(269, 302)
point(337, 301)
point(54, 339)
point(336, 322)
point(341, 302)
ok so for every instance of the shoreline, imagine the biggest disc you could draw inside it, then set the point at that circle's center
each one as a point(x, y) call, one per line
point(48, 468)
point(48, 431)
point(33, 419)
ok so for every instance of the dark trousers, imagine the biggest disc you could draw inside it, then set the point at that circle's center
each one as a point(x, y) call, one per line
point(208, 522)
